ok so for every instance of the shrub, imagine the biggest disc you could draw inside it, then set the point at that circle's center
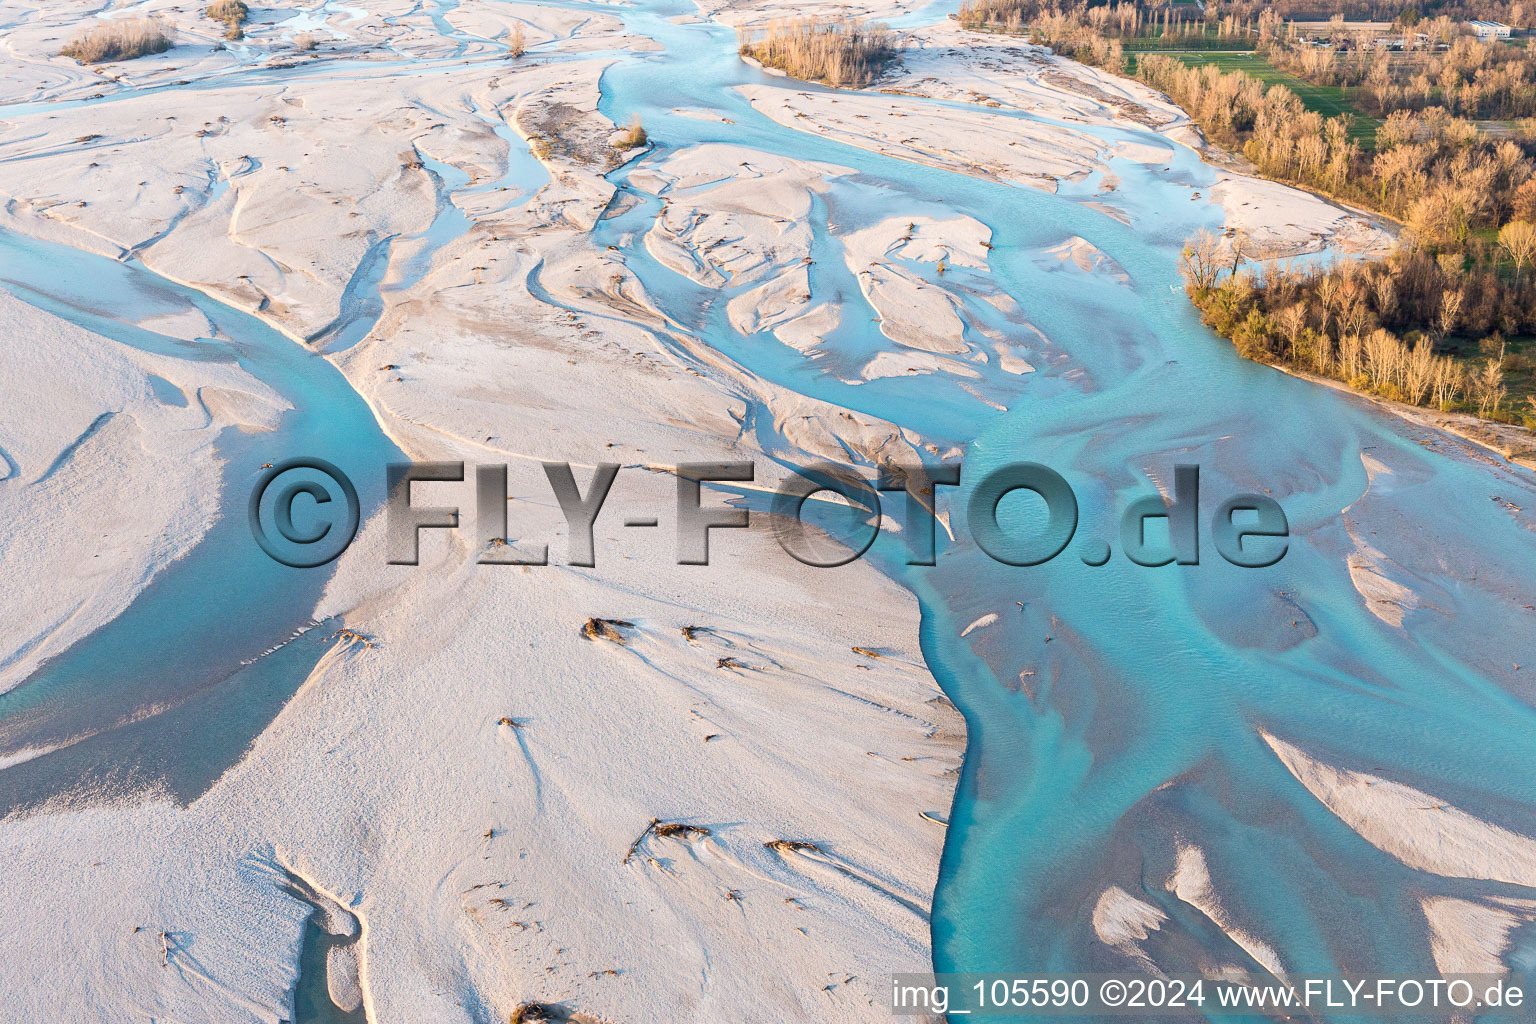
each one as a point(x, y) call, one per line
point(517, 45)
point(847, 53)
point(305, 42)
point(634, 136)
point(121, 39)
point(230, 12)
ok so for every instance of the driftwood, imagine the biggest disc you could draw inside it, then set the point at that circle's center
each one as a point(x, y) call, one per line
point(791, 845)
point(665, 830)
point(640, 839)
point(352, 636)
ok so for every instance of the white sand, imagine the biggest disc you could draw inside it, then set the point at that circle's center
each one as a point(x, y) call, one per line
point(1191, 882)
point(945, 61)
point(972, 141)
point(1428, 834)
point(1123, 921)
point(1418, 829)
point(1281, 222)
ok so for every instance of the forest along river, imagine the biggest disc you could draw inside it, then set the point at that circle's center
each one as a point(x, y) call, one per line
point(1093, 689)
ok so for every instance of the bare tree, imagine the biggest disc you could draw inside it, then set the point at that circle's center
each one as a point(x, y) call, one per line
point(1322, 355)
point(1351, 348)
point(1384, 355)
point(1293, 320)
point(1241, 244)
point(1419, 370)
point(1328, 293)
point(1199, 262)
point(1450, 308)
point(1386, 295)
point(1450, 381)
point(1518, 240)
point(1490, 385)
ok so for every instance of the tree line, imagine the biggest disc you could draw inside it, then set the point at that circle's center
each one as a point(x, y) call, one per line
point(1384, 326)
point(1435, 172)
point(1427, 325)
point(1509, 12)
point(1432, 170)
point(1054, 22)
point(1471, 78)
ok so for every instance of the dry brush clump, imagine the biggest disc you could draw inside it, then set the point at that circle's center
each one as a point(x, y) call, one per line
point(613, 630)
point(121, 39)
point(549, 1013)
point(232, 13)
point(792, 846)
point(634, 136)
point(847, 53)
point(664, 830)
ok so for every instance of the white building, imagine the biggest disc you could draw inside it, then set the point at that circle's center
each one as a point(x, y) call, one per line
point(1489, 30)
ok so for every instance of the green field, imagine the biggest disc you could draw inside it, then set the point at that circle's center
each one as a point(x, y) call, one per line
point(1328, 100)
point(1209, 40)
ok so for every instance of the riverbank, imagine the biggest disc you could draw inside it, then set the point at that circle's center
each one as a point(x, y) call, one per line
point(1447, 285)
point(1515, 444)
point(1254, 240)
